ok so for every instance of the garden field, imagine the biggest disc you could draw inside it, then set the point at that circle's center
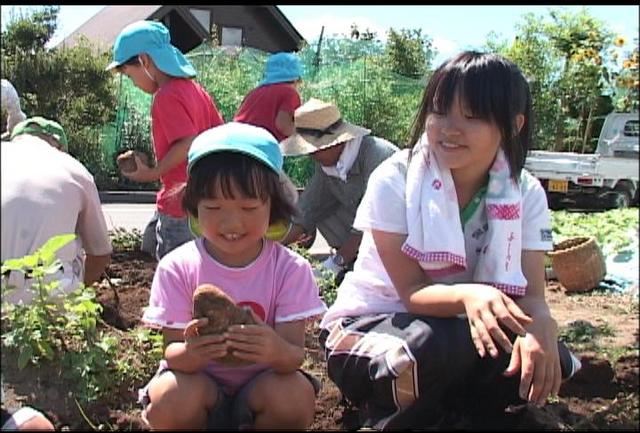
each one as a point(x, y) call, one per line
point(98, 387)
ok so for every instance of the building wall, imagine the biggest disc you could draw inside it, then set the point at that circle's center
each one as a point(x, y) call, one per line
point(182, 36)
point(259, 28)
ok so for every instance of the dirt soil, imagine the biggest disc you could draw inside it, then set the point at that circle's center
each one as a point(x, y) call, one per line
point(603, 395)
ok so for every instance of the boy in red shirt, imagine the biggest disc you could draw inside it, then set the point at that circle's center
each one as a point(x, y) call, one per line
point(180, 110)
point(272, 103)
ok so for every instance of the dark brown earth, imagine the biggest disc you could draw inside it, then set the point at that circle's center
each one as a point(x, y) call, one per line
point(603, 395)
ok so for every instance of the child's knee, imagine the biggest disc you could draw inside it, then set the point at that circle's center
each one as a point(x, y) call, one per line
point(285, 396)
point(174, 393)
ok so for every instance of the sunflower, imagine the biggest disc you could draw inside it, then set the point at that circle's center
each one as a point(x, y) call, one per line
point(619, 41)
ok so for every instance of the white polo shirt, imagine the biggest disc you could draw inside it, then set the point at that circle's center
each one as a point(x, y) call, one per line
point(368, 288)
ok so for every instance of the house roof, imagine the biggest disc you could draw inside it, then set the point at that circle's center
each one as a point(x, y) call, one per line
point(104, 27)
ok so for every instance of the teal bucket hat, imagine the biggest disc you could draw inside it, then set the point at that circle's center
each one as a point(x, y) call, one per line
point(40, 125)
point(282, 67)
point(153, 38)
point(237, 137)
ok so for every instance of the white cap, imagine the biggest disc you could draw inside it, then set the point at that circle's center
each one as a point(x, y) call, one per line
point(11, 103)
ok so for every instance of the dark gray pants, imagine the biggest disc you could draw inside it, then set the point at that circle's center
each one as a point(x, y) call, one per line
point(406, 371)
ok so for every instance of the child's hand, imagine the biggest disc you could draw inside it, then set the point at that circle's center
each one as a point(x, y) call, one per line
point(142, 173)
point(536, 357)
point(485, 306)
point(203, 348)
point(255, 343)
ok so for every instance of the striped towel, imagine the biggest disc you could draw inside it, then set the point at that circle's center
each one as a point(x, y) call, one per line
point(435, 235)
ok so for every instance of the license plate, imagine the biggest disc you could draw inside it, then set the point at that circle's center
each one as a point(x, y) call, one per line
point(558, 186)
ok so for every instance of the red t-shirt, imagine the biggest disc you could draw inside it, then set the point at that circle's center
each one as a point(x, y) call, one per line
point(180, 108)
point(260, 107)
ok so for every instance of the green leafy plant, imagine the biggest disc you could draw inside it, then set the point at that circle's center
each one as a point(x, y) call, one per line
point(581, 335)
point(35, 331)
point(614, 230)
point(125, 240)
point(68, 331)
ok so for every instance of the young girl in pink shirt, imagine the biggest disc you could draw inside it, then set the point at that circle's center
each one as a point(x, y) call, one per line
point(234, 190)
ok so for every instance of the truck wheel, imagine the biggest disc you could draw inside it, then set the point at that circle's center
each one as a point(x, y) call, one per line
point(620, 199)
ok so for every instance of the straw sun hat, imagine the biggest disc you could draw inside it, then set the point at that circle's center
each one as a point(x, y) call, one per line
point(318, 126)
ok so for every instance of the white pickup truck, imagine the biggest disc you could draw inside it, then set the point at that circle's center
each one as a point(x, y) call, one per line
point(606, 179)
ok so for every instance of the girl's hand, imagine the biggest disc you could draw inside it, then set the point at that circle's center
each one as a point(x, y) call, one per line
point(485, 306)
point(203, 348)
point(255, 343)
point(536, 356)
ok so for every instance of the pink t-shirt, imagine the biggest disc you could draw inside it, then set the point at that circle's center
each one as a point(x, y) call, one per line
point(180, 108)
point(260, 107)
point(279, 286)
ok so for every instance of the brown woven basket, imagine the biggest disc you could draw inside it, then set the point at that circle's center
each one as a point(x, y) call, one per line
point(578, 263)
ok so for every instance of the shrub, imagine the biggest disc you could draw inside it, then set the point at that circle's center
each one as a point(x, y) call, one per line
point(68, 85)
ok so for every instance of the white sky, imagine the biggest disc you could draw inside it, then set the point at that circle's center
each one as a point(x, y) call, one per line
point(452, 28)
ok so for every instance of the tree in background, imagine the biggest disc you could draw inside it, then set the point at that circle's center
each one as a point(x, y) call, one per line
point(68, 85)
point(29, 33)
point(582, 41)
point(625, 83)
point(567, 57)
point(408, 52)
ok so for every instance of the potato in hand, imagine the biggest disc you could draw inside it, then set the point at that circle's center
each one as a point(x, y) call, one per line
point(221, 311)
point(127, 162)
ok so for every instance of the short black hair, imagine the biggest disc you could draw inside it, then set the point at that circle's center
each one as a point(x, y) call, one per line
point(217, 172)
point(493, 88)
point(135, 60)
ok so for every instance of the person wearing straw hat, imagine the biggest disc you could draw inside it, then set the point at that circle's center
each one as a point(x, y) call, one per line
point(46, 192)
point(345, 155)
point(181, 109)
point(271, 105)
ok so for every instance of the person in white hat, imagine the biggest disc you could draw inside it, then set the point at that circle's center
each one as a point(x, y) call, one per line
point(345, 155)
point(11, 105)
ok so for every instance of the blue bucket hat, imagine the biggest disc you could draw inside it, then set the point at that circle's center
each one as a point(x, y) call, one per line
point(282, 67)
point(237, 137)
point(243, 138)
point(152, 38)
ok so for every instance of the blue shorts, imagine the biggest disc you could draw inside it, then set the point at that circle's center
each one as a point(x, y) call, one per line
point(171, 233)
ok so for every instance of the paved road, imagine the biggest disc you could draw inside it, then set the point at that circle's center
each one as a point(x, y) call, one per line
point(137, 215)
point(128, 215)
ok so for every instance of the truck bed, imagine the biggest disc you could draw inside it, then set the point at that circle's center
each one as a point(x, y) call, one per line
point(570, 166)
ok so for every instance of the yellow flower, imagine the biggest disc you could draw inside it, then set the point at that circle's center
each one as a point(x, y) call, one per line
point(626, 64)
point(591, 53)
point(619, 41)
